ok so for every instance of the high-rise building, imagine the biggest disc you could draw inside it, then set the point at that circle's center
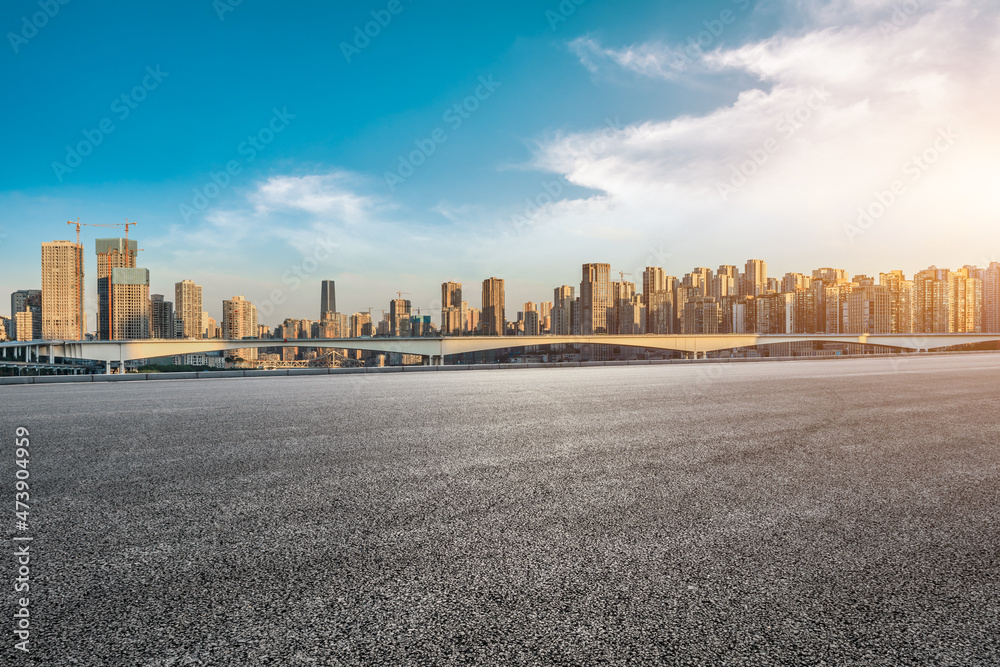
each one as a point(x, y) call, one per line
point(775, 313)
point(837, 312)
point(26, 301)
point(991, 298)
point(562, 310)
point(113, 254)
point(828, 275)
point(162, 317)
point(792, 282)
point(473, 318)
point(327, 298)
point(129, 310)
point(723, 285)
point(900, 301)
point(494, 319)
point(62, 291)
point(532, 323)
point(626, 310)
point(967, 301)
point(804, 308)
point(399, 318)
point(239, 321)
point(361, 325)
point(702, 315)
point(420, 325)
point(188, 309)
point(451, 309)
point(869, 309)
point(728, 270)
point(932, 305)
point(595, 298)
point(24, 325)
point(660, 312)
point(654, 279)
point(754, 278)
point(700, 279)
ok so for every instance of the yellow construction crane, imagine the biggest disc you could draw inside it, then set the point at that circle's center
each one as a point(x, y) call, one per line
point(127, 224)
point(86, 224)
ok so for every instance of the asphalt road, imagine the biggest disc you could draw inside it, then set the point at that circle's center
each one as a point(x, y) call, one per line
point(832, 512)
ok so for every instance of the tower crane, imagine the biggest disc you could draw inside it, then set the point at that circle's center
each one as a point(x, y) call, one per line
point(127, 224)
point(87, 224)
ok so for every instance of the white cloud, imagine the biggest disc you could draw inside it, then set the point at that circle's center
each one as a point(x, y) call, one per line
point(843, 107)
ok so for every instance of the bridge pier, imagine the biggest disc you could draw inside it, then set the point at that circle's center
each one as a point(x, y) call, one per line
point(433, 360)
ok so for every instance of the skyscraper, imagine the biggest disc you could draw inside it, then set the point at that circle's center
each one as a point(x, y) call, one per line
point(932, 305)
point(493, 316)
point(24, 324)
point(702, 315)
point(754, 278)
point(62, 291)
point(967, 301)
point(188, 309)
point(869, 309)
point(900, 301)
point(128, 313)
point(991, 298)
point(399, 317)
point(562, 310)
point(451, 309)
point(327, 298)
point(112, 254)
point(532, 323)
point(595, 299)
point(239, 320)
point(657, 301)
point(626, 309)
point(654, 279)
point(162, 317)
point(26, 301)
point(361, 325)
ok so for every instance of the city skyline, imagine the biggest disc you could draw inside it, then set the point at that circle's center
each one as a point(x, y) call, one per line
point(701, 301)
point(707, 134)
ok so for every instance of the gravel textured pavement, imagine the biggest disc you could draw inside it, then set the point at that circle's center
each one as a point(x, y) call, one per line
point(830, 512)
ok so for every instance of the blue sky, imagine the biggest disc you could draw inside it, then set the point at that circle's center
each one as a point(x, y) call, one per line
point(583, 132)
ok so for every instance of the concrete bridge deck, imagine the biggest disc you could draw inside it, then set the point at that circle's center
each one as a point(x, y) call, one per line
point(435, 349)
